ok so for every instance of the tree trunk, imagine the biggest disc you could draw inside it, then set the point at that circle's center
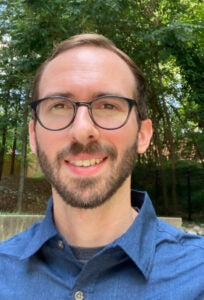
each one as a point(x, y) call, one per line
point(13, 153)
point(169, 138)
point(4, 132)
point(2, 151)
point(24, 153)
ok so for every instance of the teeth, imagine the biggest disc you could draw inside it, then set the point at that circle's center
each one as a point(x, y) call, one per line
point(86, 162)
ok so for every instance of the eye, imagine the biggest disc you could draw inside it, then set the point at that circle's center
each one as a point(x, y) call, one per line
point(107, 104)
point(59, 106)
point(110, 106)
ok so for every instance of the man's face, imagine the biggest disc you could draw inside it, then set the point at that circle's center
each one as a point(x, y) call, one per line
point(84, 163)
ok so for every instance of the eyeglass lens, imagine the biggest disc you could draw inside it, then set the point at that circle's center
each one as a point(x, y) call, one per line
point(106, 112)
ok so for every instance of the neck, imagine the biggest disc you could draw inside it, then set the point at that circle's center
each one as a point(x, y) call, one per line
point(94, 227)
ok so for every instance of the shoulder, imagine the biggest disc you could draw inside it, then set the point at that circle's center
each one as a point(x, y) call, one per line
point(178, 243)
point(179, 258)
point(179, 235)
point(16, 245)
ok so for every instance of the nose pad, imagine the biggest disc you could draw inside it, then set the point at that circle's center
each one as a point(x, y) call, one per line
point(84, 109)
point(83, 128)
point(85, 104)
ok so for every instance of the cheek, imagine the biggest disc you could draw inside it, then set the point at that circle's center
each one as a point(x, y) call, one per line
point(128, 133)
point(123, 138)
point(50, 141)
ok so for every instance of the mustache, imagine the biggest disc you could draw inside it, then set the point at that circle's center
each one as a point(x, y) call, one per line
point(90, 148)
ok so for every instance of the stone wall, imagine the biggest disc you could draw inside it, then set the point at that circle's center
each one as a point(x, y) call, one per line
point(12, 224)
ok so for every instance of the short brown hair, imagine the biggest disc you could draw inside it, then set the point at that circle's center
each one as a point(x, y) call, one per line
point(97, 40)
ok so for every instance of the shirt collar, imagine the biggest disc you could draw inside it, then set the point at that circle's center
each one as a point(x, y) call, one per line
point(41, 232)
point(138, 242)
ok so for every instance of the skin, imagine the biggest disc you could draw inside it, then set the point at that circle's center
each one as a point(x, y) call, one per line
point(82, 74)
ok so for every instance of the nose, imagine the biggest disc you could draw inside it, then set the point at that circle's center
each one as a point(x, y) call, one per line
point(83, 129)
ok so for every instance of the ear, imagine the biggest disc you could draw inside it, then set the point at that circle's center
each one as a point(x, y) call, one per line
point(144, 136)
point(32, 136)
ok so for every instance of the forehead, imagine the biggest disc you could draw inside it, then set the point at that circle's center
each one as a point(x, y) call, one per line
point(87, 65)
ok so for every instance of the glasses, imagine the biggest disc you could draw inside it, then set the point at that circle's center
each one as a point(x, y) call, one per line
point(107, 112)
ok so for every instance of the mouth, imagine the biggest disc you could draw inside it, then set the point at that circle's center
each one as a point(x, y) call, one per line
point(86, 162)
point(85, 166)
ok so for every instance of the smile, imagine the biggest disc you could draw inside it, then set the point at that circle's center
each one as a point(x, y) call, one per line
point(86, 162)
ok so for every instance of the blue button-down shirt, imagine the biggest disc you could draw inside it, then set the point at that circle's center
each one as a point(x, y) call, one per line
point(152, 260)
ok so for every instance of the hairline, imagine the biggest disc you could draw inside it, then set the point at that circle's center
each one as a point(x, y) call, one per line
point(51, 58)
point(98, 41)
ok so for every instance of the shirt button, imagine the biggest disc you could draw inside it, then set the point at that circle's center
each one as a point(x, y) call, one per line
point(79, 295)
point(60, 244)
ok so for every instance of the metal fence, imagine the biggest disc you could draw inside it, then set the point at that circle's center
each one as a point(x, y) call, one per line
point(188, 194)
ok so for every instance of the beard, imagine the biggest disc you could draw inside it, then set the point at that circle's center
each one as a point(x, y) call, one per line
point(88, 193)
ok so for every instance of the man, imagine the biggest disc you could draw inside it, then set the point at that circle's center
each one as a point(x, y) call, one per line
point(98, 240)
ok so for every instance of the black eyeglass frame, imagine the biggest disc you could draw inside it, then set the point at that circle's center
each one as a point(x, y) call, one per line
point(76, 104)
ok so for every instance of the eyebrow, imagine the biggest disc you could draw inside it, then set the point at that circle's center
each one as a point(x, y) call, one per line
point(94, 96)
point(61, 94)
